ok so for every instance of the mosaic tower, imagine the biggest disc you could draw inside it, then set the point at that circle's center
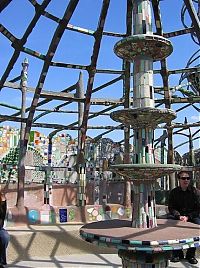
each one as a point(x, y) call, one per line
point(142, 49)
point(143, 241)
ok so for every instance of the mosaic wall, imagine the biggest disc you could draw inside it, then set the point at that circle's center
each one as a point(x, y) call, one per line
point(9, 138)
point(71, 214)
point(8, 170)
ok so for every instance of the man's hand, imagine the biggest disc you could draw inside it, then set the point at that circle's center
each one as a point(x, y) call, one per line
point(183, 218)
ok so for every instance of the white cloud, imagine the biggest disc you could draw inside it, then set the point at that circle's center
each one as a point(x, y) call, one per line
point(195, 117)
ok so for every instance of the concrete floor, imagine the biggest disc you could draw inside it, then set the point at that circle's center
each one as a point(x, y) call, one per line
point(60, 246)
point(80, 260)
point(83, 260)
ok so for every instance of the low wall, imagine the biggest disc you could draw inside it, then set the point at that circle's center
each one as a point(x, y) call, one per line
point(63, 209)
point(65, 214)
point(71, 214)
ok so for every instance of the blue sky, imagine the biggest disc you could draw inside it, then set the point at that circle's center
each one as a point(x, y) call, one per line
point(76, 48)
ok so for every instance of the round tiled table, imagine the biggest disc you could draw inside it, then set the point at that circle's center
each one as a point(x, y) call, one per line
point(143, 247)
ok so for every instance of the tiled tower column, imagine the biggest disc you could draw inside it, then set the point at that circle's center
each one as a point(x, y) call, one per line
point(143, 215)
point(142, 49)
point(143, 144)
point(81, 197)
point(143, 94)
point(144, 205)
point(48, 182)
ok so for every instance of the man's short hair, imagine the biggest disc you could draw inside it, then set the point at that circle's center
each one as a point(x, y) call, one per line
point(183, 171)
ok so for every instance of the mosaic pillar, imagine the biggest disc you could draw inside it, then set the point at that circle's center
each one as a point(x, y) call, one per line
point(23, 84)
point(142, 49)
point(143, 144)
point(143, 91)
point(104, 182)
point(163, 183)
point(48, 182)
point(81, 186)
point(143, 96)
point(80, 94)
point(144, 215)
point(22, 148)
point(170, 157)
point(191, 149)
point(46, 189)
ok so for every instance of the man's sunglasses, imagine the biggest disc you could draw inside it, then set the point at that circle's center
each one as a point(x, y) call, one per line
point(185, 178)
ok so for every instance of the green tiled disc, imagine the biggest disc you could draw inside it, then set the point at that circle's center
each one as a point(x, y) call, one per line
point(144, 171)
point(143, 117)
point(153, 46)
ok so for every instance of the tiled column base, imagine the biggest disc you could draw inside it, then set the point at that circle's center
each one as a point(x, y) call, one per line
point(143, 260)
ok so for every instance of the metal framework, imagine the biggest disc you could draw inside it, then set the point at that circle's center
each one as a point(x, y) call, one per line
point(87, 107)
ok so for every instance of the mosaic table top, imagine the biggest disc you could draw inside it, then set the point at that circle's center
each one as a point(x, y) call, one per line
point(143, 117)
point(153, 46)
point(144, 171)
point(169, 235)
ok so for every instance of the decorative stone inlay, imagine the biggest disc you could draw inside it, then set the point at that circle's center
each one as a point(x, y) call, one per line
point(142, 172)
point(152, 46)
point(143, 117)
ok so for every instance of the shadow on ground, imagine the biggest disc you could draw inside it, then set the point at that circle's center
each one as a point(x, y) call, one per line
point(30, 243)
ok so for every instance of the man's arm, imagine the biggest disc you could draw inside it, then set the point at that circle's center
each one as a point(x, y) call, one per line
point(172, 205)
point(196, 212)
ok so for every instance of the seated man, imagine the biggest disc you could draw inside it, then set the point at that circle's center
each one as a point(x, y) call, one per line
point(184, 205)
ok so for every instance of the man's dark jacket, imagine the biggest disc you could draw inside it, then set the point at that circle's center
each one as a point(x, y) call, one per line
point(184, 203)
